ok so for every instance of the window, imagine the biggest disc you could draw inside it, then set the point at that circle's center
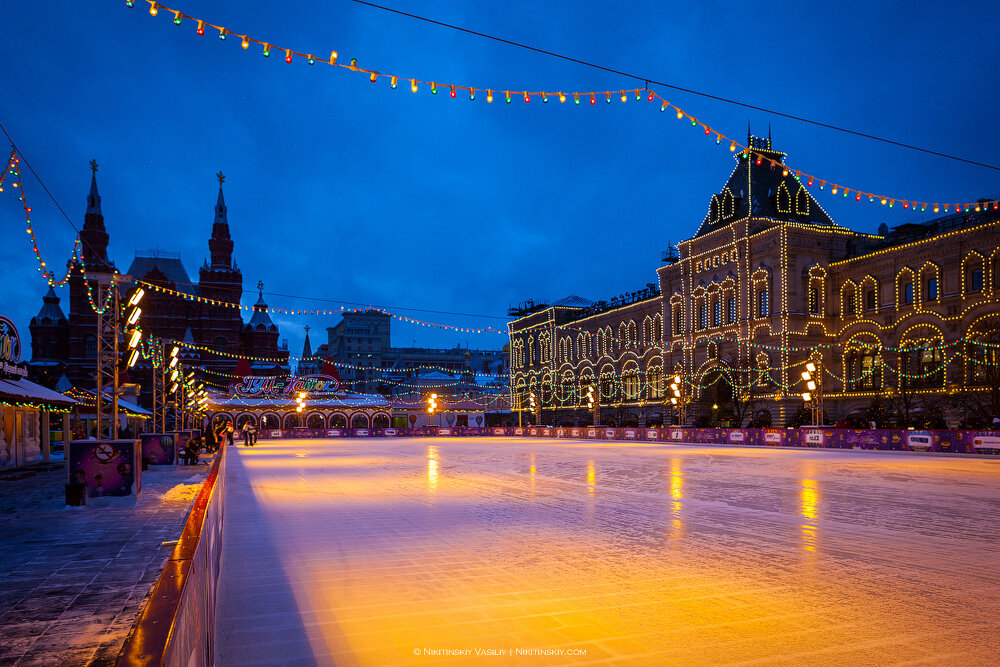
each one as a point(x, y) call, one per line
point(976, 280)
point(865, 371)
point(90, 346)
point(702, 316)
point(716, 313)
point(762, 303)
point(814, 300)
point(731, 308)
point(932, 290)
point(849, 308)
point(871, 302)
point(676, 323)
point(653, 381)
point(908, 293)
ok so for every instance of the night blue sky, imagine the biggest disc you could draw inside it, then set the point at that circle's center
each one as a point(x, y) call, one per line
point(341, 189)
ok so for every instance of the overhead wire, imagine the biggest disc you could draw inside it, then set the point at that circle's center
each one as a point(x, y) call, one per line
point(648, 80)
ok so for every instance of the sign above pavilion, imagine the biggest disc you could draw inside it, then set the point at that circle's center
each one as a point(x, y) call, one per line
point(288, 387)
point(10, 351)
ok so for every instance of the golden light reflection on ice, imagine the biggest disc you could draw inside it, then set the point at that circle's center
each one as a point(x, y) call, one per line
point(809, 509)
point(676, 496)
point(591, 478)
point(531, 475)
point(432, 468)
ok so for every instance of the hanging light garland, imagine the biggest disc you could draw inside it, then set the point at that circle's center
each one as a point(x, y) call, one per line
point(746, 152)
point(308, 312)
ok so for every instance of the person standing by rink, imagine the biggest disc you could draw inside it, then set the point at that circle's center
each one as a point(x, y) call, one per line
point(246, 434)
point(253, 435)
point(229, 432)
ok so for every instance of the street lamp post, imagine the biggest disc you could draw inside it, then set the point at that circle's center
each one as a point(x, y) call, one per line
point(813, 395)
point(432, 408)
point(679, 400)
point(592, 404)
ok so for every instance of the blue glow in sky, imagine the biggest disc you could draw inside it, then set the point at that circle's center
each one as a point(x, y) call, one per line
point(341, 189)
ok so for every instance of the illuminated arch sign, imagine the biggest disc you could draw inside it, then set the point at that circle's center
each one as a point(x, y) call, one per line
point(10, 350)
point(314, 385)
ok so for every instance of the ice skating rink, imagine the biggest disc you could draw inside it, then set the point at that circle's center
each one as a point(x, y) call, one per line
point(429, 550)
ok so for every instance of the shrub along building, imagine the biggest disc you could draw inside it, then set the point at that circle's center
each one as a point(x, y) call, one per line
point(67, 347)
point(905, 322)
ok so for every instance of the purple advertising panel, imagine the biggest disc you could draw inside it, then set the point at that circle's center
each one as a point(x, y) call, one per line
point(106, 467)
point(159, 449)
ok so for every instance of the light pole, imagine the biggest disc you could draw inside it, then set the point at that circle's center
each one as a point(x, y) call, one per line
point(535, 408)
point(813, 396)
point(679, 400)
point(593, 405)
point(431, 407)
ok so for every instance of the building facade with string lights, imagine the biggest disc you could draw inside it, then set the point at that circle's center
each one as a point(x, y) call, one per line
point(64, 347)
point(903, 324)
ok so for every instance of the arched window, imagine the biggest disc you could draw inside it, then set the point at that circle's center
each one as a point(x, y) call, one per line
point(292, 420)
point(338, 420)
point(631, 381)
point(863, 366)
point(654, 382)
point(802, 201)
point(380, 420)
point(315, 420)
point(359, 420)
point(972, 274)
point(904, 287)
point(728, 206)
point(783, 199)
point(849, 299)
point(763, 302)
point(270, 421)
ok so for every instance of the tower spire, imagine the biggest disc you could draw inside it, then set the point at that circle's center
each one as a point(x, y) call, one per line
point(93, 235)
point(306, 347)
point(94, 198)
point(220, 245)
point(220, 203)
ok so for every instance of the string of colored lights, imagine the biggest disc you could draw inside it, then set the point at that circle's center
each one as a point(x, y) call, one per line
point(322, 312)
point(343, 364)
point(16, 183)
point(747, 152)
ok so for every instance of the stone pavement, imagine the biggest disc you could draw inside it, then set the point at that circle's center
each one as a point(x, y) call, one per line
point(72, 580)
point(422, 551)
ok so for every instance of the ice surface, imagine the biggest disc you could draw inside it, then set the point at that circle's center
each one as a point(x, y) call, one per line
point(372, 551)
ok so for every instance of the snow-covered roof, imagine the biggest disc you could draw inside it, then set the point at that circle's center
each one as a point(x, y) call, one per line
point(26, 390)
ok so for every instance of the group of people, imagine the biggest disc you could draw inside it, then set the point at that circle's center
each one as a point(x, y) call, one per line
point(249, 435)
point(212, 438)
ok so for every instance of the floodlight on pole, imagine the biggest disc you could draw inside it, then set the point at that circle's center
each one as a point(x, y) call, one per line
point(136, 297)
point(132, 358)
point(135, 338)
